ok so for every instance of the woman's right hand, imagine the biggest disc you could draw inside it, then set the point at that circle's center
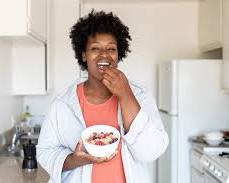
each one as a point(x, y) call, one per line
point(79, 158)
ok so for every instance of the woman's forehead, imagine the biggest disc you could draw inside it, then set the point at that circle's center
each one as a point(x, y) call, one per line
point(102, 38)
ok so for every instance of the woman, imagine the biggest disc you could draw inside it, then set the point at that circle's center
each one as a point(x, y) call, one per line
point(100, 40)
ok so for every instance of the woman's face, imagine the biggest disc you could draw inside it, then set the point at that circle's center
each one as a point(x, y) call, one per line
point(100, 48)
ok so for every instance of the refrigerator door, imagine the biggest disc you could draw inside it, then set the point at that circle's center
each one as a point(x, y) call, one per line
point(168, 86)
point(168, 162)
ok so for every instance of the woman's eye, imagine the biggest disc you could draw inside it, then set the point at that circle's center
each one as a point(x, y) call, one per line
point(112, 49)
point(95, 49)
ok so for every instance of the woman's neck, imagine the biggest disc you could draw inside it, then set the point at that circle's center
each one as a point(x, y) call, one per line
point(96, 89)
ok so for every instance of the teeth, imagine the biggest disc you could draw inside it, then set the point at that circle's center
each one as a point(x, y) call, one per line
point(103, 64)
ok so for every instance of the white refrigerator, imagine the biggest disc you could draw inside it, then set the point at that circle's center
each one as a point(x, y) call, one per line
point(190, 100)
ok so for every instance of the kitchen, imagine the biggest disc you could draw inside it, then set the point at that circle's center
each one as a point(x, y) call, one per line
point(167, 30)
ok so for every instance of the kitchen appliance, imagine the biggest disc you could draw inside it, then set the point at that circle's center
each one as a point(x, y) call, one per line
point(205, 148)
point(190, 101)
point(216, 169)
point(30, 161)
point(208, 169)
point(197, 168)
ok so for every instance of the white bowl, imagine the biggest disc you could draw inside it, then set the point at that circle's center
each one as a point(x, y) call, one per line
point(216, 135)
point(98, 150)
point(214, 142)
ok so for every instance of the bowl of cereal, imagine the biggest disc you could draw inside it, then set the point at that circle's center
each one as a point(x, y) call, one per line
point(100, 140)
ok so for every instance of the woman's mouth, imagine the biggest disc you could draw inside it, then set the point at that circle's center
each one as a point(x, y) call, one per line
point(103, 64)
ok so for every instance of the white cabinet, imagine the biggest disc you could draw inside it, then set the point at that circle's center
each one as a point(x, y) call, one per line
point(210, 24)
point(24, 22)
point(24, 19)
point(29, 69)
point(226, 45)
point(214, 31)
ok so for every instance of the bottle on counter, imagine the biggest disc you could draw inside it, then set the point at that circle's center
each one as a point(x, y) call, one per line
point(30, 161)
point(25, 116)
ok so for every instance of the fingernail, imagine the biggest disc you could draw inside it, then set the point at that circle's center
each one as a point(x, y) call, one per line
point(101, 69)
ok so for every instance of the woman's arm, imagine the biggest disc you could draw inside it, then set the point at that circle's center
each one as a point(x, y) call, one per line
point(130, 108)
point(118, 85)
point(146, 138)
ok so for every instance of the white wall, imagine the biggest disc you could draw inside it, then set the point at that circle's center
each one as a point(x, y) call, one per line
point(161, 31)
point(9, 105)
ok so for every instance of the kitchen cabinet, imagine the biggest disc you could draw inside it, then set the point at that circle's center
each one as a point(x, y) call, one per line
point(210, 24)
point(214, 32)
point(31, 65)
point(29, 69)
point(225, 67)
point(24, 19)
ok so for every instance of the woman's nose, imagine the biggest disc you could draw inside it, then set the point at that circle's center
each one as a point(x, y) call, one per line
point(104, 52)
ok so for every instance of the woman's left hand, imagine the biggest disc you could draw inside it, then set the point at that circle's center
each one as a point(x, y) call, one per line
point(116, 82)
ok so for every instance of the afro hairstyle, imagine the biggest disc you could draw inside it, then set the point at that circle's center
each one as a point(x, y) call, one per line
point(99, 22)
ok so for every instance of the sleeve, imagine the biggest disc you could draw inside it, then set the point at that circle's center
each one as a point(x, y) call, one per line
point(146, 138)
point(51, 153)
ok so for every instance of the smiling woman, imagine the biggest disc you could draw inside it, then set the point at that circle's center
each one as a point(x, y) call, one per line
point(100, 40)
point(101, 49)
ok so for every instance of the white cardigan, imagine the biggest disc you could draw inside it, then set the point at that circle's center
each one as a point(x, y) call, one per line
point(145, 141)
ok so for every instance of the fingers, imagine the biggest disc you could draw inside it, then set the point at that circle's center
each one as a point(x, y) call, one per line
point(107, 83)
point(112, 72)
point(111, 77)
point(112, 156)
point(79, 146)
point(108, 77)
point(101, 160)
point(94, 159)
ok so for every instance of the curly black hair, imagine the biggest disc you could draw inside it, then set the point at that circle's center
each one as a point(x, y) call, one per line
point(99, 22)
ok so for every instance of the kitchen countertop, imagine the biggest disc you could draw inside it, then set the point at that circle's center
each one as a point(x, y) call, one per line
point(11, 171)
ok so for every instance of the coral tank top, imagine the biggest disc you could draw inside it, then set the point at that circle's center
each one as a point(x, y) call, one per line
point(103, 114)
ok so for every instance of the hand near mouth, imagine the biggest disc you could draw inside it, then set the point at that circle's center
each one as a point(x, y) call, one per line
point(115, 81)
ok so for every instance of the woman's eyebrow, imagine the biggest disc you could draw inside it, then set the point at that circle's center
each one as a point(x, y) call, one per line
point(112, 42)
point(100, 42)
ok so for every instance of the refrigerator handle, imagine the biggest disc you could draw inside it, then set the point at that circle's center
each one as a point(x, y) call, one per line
point(163, 111)
point(168, 113)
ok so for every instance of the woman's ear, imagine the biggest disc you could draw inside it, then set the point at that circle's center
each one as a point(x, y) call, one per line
point(84, 57)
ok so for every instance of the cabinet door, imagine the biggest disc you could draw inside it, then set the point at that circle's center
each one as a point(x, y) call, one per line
point(226, 44)
point(24, 18)
point(37, 16)
point(29, 72)
point(13, 17)
point(210, 24)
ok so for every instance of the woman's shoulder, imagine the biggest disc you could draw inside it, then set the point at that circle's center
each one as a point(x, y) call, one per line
point(68, 94)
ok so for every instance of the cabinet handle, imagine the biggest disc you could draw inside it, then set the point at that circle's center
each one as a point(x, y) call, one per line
point(29, 8)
